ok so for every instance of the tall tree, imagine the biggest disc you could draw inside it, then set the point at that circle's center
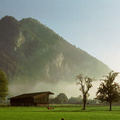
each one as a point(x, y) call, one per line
point(3, 85)
point(85, 85)
point(109, 91)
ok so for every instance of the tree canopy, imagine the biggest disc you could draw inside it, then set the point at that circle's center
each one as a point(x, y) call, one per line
point(109, 91)
point(60, 99)
point(3, 85)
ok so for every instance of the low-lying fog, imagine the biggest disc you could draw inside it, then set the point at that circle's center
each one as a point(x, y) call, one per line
point(70, 89)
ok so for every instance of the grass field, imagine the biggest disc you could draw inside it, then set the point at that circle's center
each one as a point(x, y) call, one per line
point(68, 113)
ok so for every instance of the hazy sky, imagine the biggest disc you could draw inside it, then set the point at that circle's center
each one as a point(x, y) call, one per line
point(92, 25)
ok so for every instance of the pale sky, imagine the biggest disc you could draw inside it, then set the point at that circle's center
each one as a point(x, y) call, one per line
point(92, 25)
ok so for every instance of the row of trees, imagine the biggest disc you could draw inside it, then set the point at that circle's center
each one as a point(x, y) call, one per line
point(63, 99)
point(108, 91)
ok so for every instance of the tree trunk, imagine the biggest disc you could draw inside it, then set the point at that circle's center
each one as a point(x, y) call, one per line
point(110, 106)
point(84, 104)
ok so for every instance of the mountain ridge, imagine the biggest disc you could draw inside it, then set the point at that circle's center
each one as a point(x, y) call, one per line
point(31, 52)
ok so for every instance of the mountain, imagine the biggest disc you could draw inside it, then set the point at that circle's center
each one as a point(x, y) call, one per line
point(33, 55)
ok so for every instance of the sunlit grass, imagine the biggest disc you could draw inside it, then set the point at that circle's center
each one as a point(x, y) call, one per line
point(68, 113)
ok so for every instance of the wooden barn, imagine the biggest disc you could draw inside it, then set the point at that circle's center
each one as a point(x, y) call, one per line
point(31, 99)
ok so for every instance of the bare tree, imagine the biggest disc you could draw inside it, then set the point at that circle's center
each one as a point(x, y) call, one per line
point(85, 85)
point(109, 91)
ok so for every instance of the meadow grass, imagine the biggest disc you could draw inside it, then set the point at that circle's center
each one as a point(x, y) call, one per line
point(68, 113)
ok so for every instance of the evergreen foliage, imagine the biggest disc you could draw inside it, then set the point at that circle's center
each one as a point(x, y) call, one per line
point(3, 85)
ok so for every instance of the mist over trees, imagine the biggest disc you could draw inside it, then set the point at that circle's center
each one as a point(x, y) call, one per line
point(108, 92)
point(32, 53)
point(75, 100)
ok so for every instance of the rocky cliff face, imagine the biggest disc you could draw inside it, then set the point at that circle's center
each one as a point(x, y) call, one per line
point(31, 53)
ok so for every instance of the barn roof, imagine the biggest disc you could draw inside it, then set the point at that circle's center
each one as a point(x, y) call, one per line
point(30, 95)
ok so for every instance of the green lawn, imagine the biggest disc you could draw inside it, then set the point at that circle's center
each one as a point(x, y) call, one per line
point(68, 113)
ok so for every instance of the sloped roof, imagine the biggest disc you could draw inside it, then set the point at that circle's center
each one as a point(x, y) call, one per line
point(30, 95)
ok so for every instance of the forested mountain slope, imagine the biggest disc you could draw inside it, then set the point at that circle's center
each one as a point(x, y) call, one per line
point(30, 53)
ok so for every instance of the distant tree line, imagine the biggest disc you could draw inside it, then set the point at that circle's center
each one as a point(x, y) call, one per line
point(63, 99)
